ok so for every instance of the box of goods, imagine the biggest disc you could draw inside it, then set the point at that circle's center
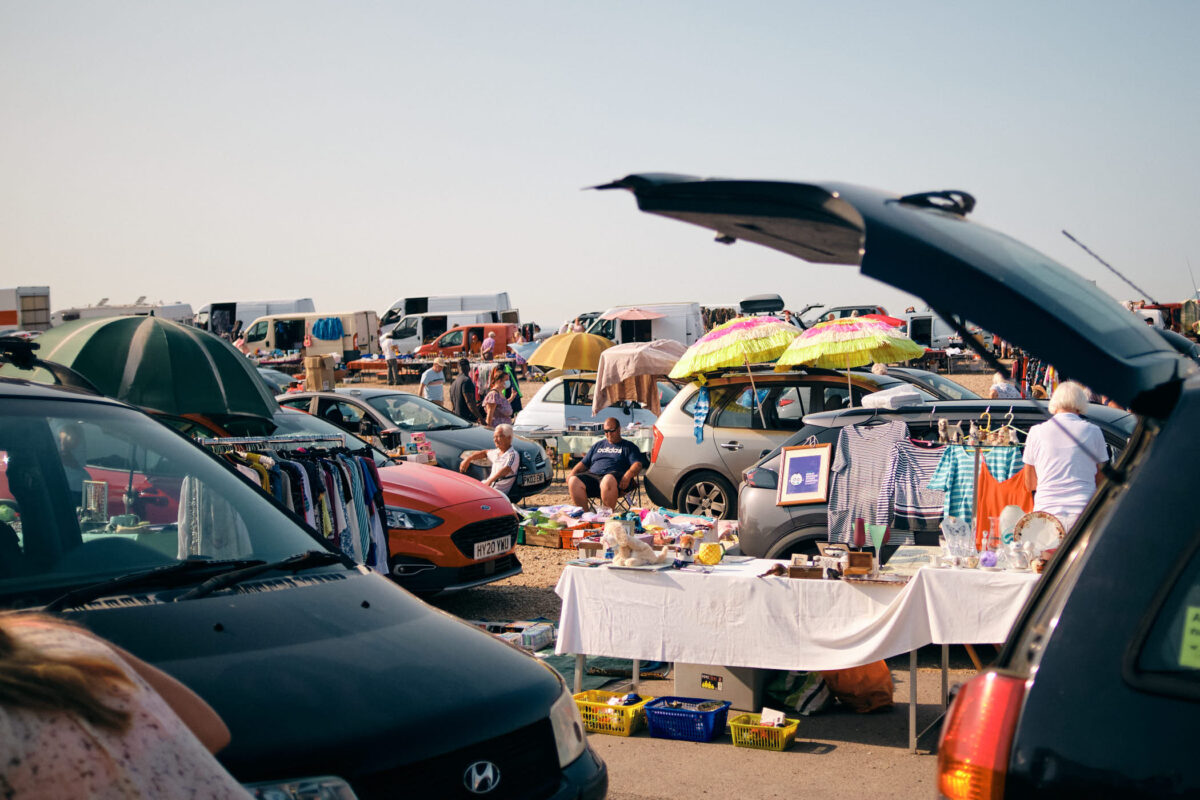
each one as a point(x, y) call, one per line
point(748, 733)
point(689, 719)
point(599, 716)
point(535, 637)
point(742, 687)
point(318, 374)
point(543, 537)
point(511, 636)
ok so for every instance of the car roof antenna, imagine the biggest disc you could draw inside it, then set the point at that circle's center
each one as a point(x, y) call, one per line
point(1111, 268)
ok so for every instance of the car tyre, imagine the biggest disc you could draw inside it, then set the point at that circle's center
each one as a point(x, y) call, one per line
point(707, 494)
point(802, 541)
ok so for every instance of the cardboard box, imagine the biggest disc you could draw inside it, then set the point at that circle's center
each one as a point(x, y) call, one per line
point(741, 686)
point(318, 374)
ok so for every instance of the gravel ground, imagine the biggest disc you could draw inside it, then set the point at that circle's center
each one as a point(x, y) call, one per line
point(531, 594)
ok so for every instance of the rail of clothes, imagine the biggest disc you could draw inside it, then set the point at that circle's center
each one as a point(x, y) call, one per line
point(335, 490)
point(1028, 372)
point(886, 477)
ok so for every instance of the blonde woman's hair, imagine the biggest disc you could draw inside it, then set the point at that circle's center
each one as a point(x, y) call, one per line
point(879, 369)
point(33, 680)
point(1069, 396)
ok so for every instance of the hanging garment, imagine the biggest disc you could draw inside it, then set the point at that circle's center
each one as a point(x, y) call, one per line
point(208, 525)
point(994, 495)
point(905, 500)
point(860, 462)
point(955, 475)
point(700, 414)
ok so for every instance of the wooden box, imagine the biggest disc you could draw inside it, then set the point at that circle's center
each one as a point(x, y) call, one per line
point(540, 537)
point(809, 573)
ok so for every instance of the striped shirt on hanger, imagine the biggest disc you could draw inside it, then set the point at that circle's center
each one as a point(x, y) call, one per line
point(860, 462)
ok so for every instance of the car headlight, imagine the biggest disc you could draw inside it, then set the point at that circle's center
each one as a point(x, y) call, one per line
point(324, 788)
point(568, 728)
point(410, 520)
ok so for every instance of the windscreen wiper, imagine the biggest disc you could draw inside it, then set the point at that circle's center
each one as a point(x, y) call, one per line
point(168, 575)
point(300, 561)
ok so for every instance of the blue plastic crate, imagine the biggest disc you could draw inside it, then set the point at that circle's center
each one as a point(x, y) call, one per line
point(687, 722)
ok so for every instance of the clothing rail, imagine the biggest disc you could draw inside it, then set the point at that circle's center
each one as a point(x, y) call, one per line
point(269, 442)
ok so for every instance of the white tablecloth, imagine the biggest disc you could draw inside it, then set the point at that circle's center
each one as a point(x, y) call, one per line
point(734, 618)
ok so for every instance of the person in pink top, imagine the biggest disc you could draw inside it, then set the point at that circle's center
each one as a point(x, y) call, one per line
point(80, 717)
point(495, 405)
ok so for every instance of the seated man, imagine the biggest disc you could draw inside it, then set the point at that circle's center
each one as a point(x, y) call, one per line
point(609, 468)
point(505, 460)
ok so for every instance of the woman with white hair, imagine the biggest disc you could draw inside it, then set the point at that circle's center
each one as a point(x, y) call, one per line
point(1001, 389)
point(504, 459)
point(1063, 456)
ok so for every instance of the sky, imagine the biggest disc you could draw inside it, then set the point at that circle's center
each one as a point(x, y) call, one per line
point(360, 152)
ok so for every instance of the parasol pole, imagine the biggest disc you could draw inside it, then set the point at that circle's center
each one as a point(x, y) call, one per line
point(753, 388)
point(849, 384)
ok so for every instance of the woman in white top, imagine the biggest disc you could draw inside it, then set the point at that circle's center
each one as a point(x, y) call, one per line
point(1063, 456)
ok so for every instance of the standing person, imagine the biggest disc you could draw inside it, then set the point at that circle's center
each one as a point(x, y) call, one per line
point(496, 408)
point(432, 381)
point(488, 348)
point(577, 327)
point(462, 394)
point(609, 467)
point(512, 390)
point(83, 718)
point(1064, 455)
point(505, 460)
point(391, 354)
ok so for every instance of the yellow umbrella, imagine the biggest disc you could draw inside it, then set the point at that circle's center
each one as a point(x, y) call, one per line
point(571, 351)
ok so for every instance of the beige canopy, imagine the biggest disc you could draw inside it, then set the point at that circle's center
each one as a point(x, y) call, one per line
point(631, 372)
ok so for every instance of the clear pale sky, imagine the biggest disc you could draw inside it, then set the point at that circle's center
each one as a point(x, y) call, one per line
point(357, 152)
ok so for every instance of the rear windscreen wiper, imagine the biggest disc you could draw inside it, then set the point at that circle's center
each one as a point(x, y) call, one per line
point(168, 575)
point(305, 560)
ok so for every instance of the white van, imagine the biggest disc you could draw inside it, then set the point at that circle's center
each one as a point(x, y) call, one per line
point(223, 317)
point(176, 312)
point(929, 330)
point(497, 303)
point(309, 334)
point(679, 321)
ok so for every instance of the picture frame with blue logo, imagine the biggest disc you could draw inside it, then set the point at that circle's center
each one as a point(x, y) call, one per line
point(804, 474)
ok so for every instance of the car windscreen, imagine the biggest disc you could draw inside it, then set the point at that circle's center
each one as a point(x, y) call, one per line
point(90, 491)
point(414, 413)
point(295, 423)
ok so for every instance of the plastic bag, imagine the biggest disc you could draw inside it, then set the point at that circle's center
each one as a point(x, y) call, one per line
point(803, 693)
point(864, 689)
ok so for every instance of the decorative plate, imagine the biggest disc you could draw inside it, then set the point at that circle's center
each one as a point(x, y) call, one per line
point(1041, 528)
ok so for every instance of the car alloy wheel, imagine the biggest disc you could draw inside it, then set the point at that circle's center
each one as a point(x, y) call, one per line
point(707, 494)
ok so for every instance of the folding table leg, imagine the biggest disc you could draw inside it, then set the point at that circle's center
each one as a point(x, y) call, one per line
point(580, 666)
point(945, 676)
point(637, 675)
point(912, 701)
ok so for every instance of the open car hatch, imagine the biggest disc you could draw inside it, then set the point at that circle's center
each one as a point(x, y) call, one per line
point(923, 244)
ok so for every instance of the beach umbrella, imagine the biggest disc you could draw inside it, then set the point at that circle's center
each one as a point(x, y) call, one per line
point(570, 351)
point(849, 342)
point(633, 314)
point(893, 321)
point(158, 365)
point(740, 341)
point(631, 371)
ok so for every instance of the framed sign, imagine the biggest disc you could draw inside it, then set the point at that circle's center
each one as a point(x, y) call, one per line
point(804, 476)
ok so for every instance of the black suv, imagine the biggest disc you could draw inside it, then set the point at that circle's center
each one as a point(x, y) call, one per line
point(1099, 681)
point(317, 666)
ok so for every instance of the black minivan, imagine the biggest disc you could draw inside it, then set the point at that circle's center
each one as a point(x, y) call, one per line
point(1099, 682)
point(318, 666)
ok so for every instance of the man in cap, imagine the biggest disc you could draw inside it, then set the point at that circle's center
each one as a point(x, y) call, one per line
point(432, 381)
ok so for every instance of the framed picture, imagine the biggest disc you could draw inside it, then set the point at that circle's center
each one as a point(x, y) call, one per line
point(804, 477)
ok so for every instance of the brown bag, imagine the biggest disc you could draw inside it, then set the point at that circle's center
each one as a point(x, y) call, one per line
point(865, 689)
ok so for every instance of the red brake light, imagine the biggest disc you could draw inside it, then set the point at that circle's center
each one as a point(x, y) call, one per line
point(977, 738)
point(658, 440)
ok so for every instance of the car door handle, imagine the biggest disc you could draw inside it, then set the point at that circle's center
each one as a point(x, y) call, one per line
point(732, 445)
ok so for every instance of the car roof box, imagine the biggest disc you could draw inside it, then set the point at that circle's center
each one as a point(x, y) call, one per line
point(761, 304)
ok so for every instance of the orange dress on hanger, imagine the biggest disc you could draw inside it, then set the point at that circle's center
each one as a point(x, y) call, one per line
point(994, 495)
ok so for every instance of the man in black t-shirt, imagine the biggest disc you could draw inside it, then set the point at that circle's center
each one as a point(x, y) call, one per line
point(462, 394)
point(609, 468)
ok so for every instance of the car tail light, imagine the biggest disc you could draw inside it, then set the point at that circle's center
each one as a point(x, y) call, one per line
point(658, 440)
point(761, 478)
point(977, 737)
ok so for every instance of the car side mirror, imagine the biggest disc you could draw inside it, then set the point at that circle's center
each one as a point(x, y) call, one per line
point(391, 438)
point(627, 407)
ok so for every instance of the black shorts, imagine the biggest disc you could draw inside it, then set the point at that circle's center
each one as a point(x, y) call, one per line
point(591, 482)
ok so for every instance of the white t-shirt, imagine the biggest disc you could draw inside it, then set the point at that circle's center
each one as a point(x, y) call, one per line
point(387, 346)
point(509, 458)
point(432, 381)
point(1066, 472)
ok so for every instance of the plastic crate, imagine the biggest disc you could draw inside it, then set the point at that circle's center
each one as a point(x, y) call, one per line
point(600, 717)
point(748, 733)
point(687, 722)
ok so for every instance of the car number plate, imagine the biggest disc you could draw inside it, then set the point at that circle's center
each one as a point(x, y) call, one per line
point(492, 547)
point(534, 478)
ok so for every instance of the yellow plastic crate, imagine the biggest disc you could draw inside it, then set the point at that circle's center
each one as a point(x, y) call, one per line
point(748, 733)
point(600, 717)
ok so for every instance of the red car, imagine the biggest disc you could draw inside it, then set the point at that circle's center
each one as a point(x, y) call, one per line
point(445, 531)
